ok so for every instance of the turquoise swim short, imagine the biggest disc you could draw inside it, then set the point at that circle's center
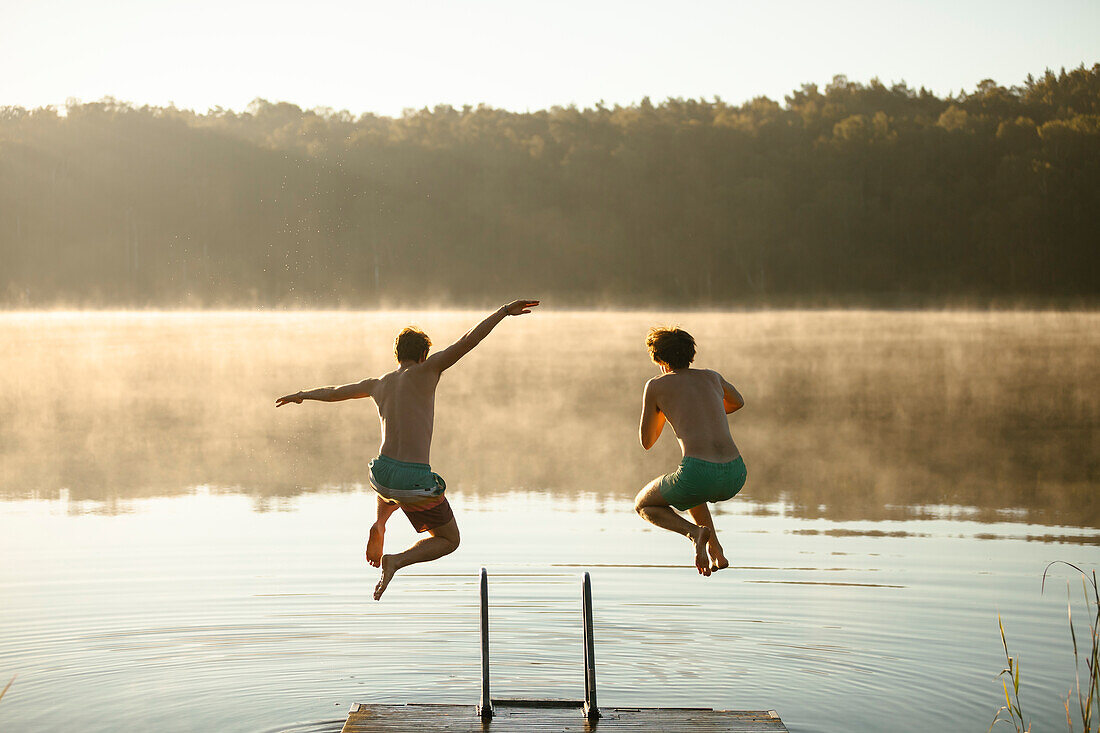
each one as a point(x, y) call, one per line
point(697, 481)
point(415, 488)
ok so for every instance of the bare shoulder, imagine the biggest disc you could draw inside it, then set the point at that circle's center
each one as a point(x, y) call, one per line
point(380, 383)
point(712, 379)
point(426, 369)
point(424, 375)
point(385, 377)
point(656, 383)
point(654, 389)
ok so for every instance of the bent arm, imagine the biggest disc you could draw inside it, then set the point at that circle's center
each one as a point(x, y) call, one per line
point(731, 398)
point(464, 345)
point(331, 394)
point(653, 420)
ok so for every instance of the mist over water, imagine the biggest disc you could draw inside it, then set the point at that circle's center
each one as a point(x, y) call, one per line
point(850, 415)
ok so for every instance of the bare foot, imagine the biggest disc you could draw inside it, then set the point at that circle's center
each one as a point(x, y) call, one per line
point(702, 562)
point(718, 559)
point(389, 567)
point(374, 544)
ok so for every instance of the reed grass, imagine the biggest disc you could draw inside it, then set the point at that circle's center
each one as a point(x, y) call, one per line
point(1088, 699)
point(1086, 695)
point(1012, 707)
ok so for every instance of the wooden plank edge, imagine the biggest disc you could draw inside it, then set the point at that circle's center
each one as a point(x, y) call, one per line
point(672, 710)
point(521, 702)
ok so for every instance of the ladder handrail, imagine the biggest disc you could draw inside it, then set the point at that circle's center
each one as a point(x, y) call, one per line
point(591, 710)
point(485, 707)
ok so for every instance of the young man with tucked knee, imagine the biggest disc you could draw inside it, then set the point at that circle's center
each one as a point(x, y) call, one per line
point(401, 474)
point(696, 402)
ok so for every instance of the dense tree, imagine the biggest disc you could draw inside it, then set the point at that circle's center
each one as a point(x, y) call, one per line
point(853, 193)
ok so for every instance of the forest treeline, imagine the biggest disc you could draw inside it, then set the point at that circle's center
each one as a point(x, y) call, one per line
point(855, 193)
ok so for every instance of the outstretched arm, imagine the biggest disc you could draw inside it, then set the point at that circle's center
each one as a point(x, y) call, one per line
point(447, 357)
point(653, 420)
point(731, 398)
point(330, 394)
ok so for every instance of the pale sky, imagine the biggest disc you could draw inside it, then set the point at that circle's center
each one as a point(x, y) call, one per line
point(368, 56)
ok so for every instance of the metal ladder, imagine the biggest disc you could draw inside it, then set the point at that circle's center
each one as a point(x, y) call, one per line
point(588, 705)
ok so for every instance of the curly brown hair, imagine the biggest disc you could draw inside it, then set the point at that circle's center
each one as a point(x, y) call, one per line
point(671, 346)
point(411, 344)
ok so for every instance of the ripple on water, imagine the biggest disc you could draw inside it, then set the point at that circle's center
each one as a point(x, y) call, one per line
point(249, 645)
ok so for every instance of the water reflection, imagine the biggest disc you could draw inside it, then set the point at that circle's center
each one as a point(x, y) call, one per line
point(850, 415)
point(266, 617)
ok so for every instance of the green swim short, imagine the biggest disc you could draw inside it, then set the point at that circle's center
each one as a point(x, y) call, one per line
point(697, 481)
point(415, 488)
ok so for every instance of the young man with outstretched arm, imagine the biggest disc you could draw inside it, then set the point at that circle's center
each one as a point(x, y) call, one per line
point(401, 474)
point(696, 402)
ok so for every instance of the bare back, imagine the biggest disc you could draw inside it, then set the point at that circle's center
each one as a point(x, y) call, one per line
point(406, 408)
point(406, 396)
point(695, 402)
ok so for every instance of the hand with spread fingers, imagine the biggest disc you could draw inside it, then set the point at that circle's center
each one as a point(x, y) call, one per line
point(519, 307)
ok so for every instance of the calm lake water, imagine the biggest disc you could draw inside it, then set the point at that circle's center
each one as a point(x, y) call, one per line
point(179, 555)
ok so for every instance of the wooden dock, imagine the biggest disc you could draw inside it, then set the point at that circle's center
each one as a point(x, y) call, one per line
point(507, 715)
point(464, 719)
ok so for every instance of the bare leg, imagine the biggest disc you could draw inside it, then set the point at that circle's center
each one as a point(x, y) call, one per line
point(701, 515)
point(377, 535)
point(443, 541)
point(653, 508)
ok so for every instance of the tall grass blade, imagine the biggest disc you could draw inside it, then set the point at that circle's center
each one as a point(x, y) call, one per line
point(1088, 699)
point(1015, 712)
point(2, 692)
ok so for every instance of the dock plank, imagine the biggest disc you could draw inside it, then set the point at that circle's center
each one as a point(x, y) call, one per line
point(463, 719)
